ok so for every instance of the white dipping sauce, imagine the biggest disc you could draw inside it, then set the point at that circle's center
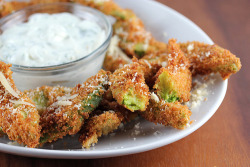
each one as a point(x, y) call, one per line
point(50, 39)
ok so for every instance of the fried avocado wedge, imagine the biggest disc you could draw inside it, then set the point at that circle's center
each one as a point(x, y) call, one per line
point(129, 88)
point(172, 57)
point(206, 59)
point(173, 80)
point(40, 96)
point(169, 114)
point(135, 40)
point(103, 123)
point(173, 85)
point(108, 103)
point(98, 126)
point(68, 113)
point(19, 118)
point(45, 96)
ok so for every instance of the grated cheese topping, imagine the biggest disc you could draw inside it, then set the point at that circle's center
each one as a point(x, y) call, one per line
point(190, 47)
point(115, 51)
point(7, 86)
point(155, 97)
point(17, 102)
point(164, 64)
point(199, 92)
point(64, 98)
point(64, 103)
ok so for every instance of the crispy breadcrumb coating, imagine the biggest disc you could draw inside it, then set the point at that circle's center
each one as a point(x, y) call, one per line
point(206, 59)
point(45, 96)
point(173, 85)
point(99, 125)
point(105, 123)
point(135, 39)
point(169, 114)
point(172, 58)
point(109, 103)
point(129, 88)
point(19, 118)
point(67, 114)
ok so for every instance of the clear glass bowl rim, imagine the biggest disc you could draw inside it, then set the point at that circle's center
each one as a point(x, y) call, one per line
point(97, 13)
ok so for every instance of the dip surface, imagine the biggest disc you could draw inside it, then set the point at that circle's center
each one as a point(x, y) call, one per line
point(50, 39)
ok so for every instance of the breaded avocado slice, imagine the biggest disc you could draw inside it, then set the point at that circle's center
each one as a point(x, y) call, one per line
point(98, 126)
point(173, 85)
point(129, 88)
point(206, 59)
point(131, 100)
point(46, 95)
point(68, 113)
point(139, 49)
point(19, 118)
point(169, 114)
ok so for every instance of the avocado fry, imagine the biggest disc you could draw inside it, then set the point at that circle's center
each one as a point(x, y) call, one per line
point(109, 103)
point(169, 114)
point(19, 118)
point(46, 95)
point(99, 125)
point(105, 122)
point(173, 78)
point(67, 114)
point(172, 57)
point(206, 59)
point(129, 88)
point(173, 86)
point(135, 40)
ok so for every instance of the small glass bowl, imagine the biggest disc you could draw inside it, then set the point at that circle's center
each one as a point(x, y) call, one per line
point(67, 74)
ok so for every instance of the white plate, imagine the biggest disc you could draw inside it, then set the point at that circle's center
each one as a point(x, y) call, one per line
point(158, 19)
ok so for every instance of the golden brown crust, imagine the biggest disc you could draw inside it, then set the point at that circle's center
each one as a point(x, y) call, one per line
point(111, 104)
point(168, 114)
point(206, 59)
point(100, 125)
point(181, 81)
point(60, 120)
point(45, 96)
point(20, 121)
point(129, 79)
point(111, 64)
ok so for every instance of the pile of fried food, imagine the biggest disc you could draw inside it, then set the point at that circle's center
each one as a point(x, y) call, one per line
point(144, 77)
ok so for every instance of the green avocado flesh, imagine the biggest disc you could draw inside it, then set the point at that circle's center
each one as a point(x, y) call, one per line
point(41, 102)
point(165, 88)
point(227, 68)
point(118, 14)
point(132, 102)
point(139, 49)
point(90, 103)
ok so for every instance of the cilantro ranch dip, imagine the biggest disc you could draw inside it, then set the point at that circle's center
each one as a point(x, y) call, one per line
point(50, 39)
